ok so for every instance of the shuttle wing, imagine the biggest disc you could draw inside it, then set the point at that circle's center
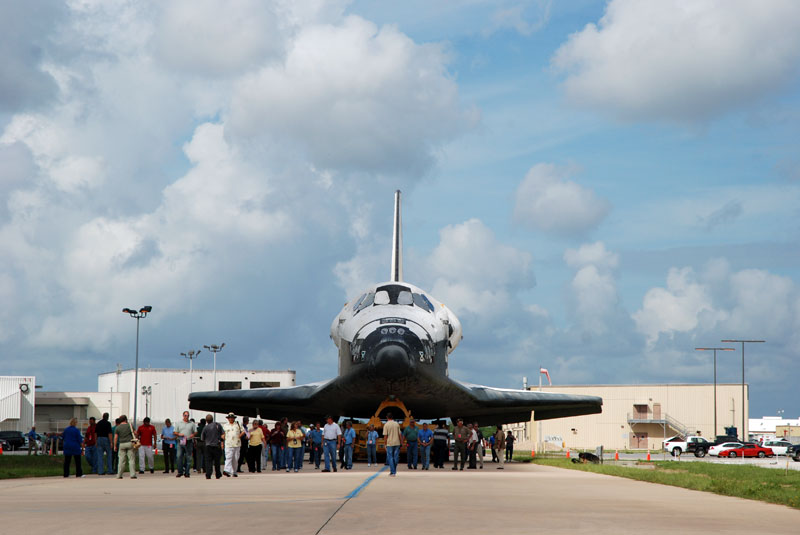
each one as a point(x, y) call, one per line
point(295, 402)
point(501, 405)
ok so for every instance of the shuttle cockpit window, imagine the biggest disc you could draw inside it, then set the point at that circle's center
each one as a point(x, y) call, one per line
point(404, 298)
point(393, 292)
point(358, 302)
point(365, 301)
point(422, 302)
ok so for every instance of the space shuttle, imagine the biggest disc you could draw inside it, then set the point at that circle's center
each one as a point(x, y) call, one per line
point(394, 341)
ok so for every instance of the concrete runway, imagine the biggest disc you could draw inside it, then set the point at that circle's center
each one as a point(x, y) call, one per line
point(522, 499)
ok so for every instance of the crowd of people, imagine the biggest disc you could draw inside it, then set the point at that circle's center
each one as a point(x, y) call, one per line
point(222, 450)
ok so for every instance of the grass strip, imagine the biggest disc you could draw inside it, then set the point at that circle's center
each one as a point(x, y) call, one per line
point(17, 466)
point(739, 480)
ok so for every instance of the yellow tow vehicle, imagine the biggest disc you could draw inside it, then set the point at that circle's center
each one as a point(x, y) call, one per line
point(401, 414)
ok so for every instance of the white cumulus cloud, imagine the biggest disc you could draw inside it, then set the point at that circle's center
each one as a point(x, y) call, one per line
point(355, 97)
point(681, 61)
point(546, 200)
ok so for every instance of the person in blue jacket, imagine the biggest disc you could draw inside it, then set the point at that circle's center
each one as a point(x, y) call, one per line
point(73, 446)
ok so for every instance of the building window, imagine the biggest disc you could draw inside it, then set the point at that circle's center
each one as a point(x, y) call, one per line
point(230, 385)
point(264, 384)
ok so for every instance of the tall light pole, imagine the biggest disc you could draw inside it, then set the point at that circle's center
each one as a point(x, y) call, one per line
point(142, 313)
point(743, 342)
point(215, 349)
point(147, 391)
point(191, 355)
point(715, 349)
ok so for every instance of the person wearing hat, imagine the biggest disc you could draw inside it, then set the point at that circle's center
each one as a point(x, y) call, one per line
point(411, 438)
point(233, 434)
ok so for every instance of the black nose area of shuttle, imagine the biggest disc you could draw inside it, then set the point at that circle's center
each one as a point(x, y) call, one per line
point(392, 362)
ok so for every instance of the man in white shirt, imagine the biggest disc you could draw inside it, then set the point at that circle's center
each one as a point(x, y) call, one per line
point(331, 437)
point(233, 434)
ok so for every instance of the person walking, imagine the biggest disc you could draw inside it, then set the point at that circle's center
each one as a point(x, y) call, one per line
point(233, 443)
point(441, 445)
point(509, 446)
point(90, 445)
point(372, 445)
point(146, 434)
point(500, 444)
point(411, 438)
point(116, 453)
point(213, 439)
point(168, 445)
point(315, 445)
point(480, 446)
point(471, 447)
point(73, 446)
point(277, 442)
point(265, 452)
point(123, 445)
point(185, 431)
point(461, 436)
point(393, 437)
point(494, 451)
point(425, 438)
point(294, 443)
point(199, 448)
point(32, 440)
point(349, 436)
point(331, 436)
point(254, 446)
point(104, 442)
point(245, 443)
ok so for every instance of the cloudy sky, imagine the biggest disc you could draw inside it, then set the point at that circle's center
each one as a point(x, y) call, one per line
point(593, 187)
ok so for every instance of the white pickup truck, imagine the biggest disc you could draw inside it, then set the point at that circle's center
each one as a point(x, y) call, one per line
point(677, 445)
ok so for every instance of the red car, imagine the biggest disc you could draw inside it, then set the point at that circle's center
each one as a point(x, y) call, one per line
point(748, 450)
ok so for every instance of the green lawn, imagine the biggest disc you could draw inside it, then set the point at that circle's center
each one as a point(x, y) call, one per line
point(740, 480)
point(15, 466)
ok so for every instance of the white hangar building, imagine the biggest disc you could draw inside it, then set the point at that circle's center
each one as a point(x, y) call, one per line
point(163, 393)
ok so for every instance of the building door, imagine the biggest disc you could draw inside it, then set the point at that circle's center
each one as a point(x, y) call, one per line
point(656, 411)
point(638, 441)
point(640, 412)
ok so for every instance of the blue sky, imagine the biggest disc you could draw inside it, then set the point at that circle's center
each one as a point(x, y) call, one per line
point(593, 187)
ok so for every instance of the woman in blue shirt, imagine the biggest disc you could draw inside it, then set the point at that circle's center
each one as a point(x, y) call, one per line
point(73, 444)
point(349, 442)
point(372, 443)
point(168, 445)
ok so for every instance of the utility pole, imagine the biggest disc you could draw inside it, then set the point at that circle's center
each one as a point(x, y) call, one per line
point(743, 342)
point(715, 349)
point(215, 349)
point(142, 313)
point(191, 355)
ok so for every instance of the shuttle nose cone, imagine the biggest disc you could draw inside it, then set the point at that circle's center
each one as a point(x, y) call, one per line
point(391, 362)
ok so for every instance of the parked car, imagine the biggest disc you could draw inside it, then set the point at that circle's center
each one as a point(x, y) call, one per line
point(15, 439)
point(748, 450)
point(793, 451)
point(677, 445)
point(778, 446)
point(716, 449)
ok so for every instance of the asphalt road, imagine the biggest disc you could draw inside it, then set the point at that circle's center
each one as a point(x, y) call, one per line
point(524, 498)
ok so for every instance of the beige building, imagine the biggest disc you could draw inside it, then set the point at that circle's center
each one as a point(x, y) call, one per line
point(55, 409)
point(636, 417)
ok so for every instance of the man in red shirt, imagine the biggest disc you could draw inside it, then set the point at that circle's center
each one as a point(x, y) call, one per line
point(91, 445)
point(146, 434)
